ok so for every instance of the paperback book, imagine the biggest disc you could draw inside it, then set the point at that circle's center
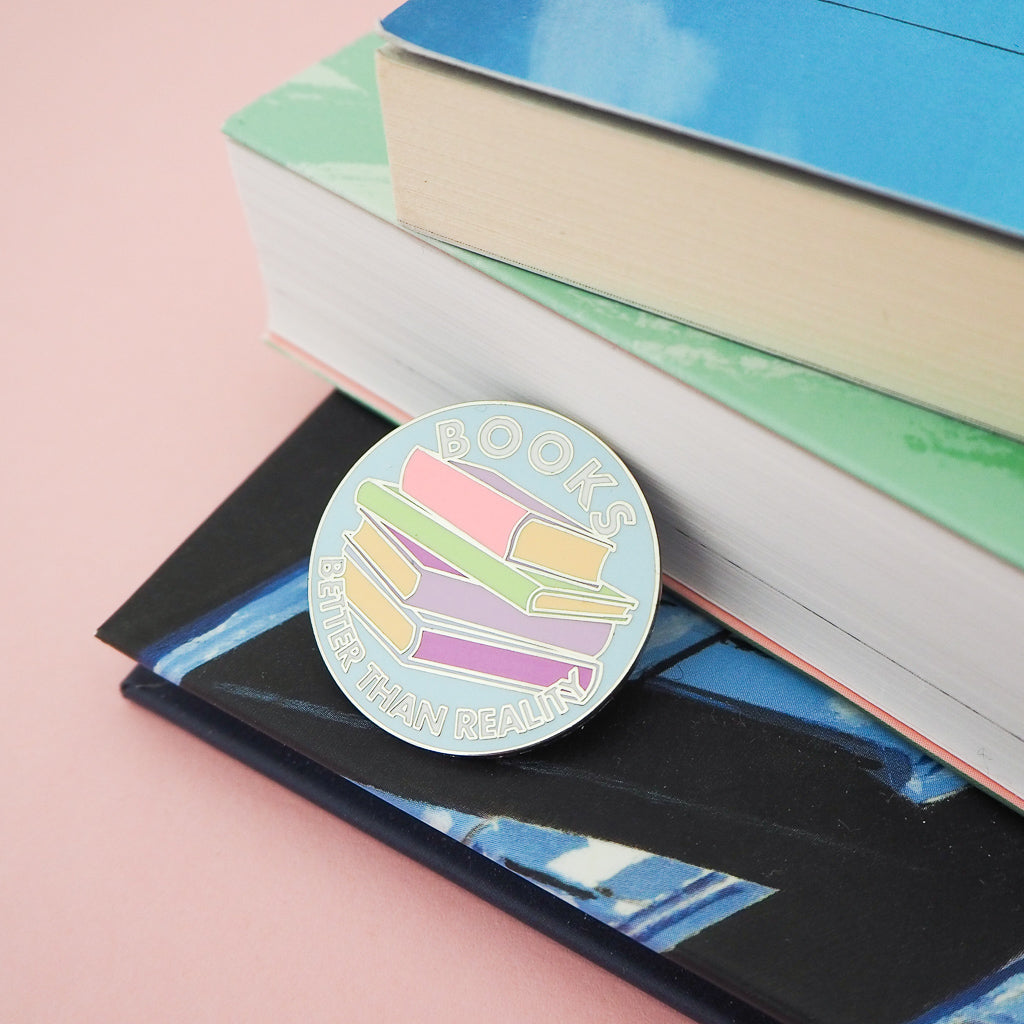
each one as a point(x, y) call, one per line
point(874, 543)
point(726, 832)
point(835, 183)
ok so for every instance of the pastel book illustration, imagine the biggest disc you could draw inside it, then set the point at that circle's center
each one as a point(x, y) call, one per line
point(529, 590)
point(440, 593)
point(480, 656)
point(504, 518)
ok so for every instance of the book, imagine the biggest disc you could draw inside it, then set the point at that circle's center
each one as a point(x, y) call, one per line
point(530, 591)
point(439, 592)
point(487, 510)
point(757, 177)
point(727, 833)
point(447, 855)
point(460, 649)
point(875, 543)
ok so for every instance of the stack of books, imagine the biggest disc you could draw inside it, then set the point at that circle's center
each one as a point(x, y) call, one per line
point(732, 832)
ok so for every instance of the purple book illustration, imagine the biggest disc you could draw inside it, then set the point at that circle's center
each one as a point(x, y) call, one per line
point(444, 596)
point(479, 655)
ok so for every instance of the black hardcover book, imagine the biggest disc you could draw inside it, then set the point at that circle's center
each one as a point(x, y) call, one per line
point(726, 833)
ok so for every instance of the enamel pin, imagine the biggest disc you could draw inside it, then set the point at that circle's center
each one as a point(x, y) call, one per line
point(483, 578)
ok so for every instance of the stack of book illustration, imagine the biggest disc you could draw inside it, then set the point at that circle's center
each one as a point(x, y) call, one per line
point(496, 585)
point(775, 258)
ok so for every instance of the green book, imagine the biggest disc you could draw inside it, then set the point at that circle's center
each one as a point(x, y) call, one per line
point(966, 478)
point(529, 590)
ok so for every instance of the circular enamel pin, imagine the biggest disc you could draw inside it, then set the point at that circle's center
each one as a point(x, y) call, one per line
point(483, 578)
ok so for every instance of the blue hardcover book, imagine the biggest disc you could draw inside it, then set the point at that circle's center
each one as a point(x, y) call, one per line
point(838, 184)
point(725, 833)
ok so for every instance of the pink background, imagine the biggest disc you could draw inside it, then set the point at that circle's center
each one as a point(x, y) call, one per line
point(143, 876)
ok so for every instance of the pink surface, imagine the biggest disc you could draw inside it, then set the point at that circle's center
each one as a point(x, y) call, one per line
point(145, 877)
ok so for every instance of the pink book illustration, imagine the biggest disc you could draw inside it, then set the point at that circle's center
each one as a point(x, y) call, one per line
point(504, 518)
point(526, 588)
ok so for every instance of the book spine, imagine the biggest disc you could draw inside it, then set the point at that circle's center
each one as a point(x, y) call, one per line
point(480, 564)
point(385, 556)
point(440, 594)
point(499, 663)
point(381, 612)
point(462, 600)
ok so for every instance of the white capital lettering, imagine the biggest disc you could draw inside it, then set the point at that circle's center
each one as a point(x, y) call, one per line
point(426, 715)
point(613, 518)
point(465, 724)
point(452, 442)
point(586, 480)
point(504, 447)
point(538, 453)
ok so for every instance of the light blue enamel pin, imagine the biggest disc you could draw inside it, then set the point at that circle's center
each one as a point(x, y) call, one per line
point(483, 578)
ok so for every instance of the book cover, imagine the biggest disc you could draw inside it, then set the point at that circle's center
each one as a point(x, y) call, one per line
point(844, 277)
point(723, 814)
point(447, 855)
point(920, 102)
point(325, 126)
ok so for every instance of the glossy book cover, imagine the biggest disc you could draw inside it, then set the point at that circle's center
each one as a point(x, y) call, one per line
point(916, 101)
point(733, 836)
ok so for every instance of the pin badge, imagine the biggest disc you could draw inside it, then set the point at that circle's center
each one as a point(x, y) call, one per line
point(483, 578)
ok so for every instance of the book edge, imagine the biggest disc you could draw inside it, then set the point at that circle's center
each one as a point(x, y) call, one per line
point(403, 46)
point(921, 499)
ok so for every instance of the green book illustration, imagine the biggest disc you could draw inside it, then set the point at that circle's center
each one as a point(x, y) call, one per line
point(965, 478)
point(529, 590)
point(458, 649)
